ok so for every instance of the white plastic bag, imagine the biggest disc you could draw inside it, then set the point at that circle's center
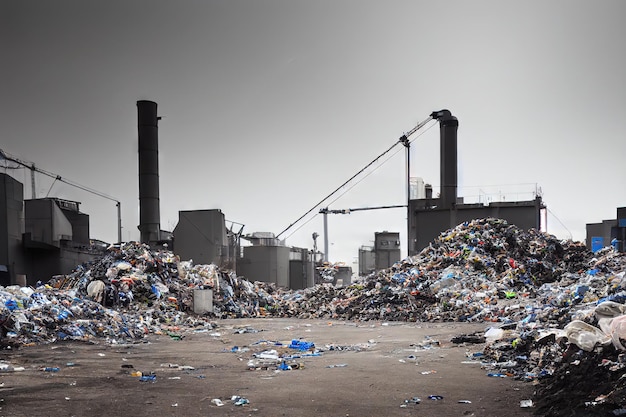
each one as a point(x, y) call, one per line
point(585, 336)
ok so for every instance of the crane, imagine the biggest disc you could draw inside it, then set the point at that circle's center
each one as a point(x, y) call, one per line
point(325, 211)
point(404, 140)
point(56, 177)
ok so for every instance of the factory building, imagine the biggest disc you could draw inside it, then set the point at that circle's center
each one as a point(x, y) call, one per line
point(268, 259)
point(428, 216)
point(367, 260)
point(384, 253)
point(608, 232)
point(41, 237)
point(201, 236)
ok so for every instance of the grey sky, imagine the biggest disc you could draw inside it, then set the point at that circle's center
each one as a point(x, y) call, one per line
point(269, 105)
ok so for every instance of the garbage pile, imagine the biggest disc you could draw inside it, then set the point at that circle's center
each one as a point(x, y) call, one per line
point(553, 307)
point(130, 292)
point(484, 270)
point(133, 277)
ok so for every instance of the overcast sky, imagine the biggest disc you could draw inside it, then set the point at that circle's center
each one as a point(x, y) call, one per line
point(268, 106)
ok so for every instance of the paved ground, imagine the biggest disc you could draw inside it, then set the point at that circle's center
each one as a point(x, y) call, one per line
point(402, 361)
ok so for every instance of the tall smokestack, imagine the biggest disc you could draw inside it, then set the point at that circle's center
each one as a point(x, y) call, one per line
point(448, 126)
point(149, 211)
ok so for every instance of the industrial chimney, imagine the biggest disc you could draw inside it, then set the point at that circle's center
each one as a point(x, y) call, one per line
point(448, 126)
point(149, 209)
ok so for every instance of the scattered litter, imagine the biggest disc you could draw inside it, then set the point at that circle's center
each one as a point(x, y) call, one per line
point(301, 345)
point(239, 401)
point(413, 400)
point(551, 307)
point(246, 330)
point(148, 378)
point(339, 365)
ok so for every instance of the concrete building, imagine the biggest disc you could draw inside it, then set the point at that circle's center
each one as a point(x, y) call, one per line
point(40, 238)
point(301, 268)
point(387, 249)
point(11, 229)
point(266, 260)
point(201, 236)
point(428, 217)
point(608, 232)
point(367, 260)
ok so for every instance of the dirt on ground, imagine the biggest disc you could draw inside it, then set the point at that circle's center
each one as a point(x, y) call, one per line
point(365, 369)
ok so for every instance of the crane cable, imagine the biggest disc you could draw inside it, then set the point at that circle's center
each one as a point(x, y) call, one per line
point(402, 139)
point(6, 156)
point(358, 182)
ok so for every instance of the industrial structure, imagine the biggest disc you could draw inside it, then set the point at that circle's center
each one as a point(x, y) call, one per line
point(384, 253)
point(202, 235)
point(42, 237)
point(608, 232)
point(149, 203)
point(428, 217)
point(268, 259)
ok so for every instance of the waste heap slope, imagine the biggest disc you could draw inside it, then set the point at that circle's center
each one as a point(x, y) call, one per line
point(553, 310)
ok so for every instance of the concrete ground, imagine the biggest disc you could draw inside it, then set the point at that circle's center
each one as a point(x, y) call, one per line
point(378, 367)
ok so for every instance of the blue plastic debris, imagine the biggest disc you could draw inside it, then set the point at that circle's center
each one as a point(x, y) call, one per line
point(301, 345)
point(148, 378)
point(11, 305)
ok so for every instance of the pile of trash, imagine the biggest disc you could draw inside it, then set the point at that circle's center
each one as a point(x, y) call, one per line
point(484, 270)
point(552, 307)
point(130, 292)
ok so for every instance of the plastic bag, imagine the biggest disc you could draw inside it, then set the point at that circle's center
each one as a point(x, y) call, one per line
point(493, 334)
point(618, 331)
point(585, 336)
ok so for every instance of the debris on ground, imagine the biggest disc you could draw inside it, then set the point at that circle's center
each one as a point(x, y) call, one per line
point(553, 310)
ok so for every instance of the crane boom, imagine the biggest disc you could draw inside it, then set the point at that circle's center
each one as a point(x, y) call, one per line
point(34, 169)
point(404, 139)
point(325, 211)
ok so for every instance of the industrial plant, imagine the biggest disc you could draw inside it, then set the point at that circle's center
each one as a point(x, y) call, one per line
point(44, 237)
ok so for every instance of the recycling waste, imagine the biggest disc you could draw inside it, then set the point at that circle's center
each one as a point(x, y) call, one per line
point(551, 307)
